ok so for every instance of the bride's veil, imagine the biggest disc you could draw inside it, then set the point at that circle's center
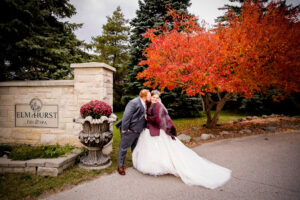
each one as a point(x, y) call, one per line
point(163, 105)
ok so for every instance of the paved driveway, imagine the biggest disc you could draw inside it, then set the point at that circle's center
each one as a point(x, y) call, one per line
point(263, 167)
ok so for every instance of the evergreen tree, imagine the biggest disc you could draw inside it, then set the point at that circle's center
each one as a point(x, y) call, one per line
point(113, 47)
point(34, 43)
point(236, 9)
point(151, 13)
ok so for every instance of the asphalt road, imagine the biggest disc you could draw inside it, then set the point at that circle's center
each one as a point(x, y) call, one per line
point(263, 167)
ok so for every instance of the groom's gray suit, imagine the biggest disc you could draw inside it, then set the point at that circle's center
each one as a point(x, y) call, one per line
point(133, 122)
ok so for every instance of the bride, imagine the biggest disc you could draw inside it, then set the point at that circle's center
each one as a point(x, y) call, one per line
point(159, 152)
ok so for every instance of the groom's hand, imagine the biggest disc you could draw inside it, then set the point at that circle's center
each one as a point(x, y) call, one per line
point(123, 131)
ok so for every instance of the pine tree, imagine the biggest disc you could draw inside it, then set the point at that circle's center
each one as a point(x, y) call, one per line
point(35, 43)
point(113, 47)
point(237, 8)
point(151, 13)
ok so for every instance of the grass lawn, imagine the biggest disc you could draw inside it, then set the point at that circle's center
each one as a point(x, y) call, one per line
point(19, 186)
point(187, 123)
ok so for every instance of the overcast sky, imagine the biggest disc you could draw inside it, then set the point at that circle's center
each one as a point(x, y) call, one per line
point(92, 13)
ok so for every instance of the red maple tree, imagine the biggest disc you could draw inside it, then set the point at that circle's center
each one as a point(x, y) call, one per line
point(255, 51)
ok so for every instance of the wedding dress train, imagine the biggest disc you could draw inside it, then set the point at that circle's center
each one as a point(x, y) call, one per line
point(158, 155)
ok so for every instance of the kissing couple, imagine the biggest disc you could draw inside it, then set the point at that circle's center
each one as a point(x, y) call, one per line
point(151, 134)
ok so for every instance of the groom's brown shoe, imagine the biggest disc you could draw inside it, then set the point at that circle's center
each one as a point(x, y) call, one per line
point(121, 170)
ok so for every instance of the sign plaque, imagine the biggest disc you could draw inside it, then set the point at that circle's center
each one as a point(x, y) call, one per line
point(35, 114)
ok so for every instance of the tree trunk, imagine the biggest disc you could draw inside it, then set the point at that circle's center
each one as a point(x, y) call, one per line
point(208, 104)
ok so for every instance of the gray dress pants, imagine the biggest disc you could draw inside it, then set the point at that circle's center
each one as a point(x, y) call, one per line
point(128, 139)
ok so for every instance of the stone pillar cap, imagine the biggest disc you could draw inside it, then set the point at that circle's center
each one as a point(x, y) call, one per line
point(93, 64)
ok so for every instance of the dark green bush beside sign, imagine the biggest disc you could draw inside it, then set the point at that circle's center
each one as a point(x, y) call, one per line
point(35, 114)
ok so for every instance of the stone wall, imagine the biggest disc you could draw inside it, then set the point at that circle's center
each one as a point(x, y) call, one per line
point(39, 166)
point(92, 81)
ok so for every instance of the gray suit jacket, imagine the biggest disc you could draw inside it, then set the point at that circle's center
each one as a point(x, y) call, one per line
point(134, 116)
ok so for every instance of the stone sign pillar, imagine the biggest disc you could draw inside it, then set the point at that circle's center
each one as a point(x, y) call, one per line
point(93, 81)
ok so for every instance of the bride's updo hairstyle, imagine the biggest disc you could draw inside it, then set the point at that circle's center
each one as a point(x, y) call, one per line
point(154, 92)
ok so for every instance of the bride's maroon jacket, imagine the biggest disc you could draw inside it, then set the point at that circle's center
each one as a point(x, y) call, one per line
point(158, 118)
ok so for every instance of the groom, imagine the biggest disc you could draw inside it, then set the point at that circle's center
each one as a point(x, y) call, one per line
point(132, 124)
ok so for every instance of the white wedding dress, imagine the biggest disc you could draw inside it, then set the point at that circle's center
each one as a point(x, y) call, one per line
point(158, 155)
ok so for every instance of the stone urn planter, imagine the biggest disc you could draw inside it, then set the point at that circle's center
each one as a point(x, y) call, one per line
point(95, 134)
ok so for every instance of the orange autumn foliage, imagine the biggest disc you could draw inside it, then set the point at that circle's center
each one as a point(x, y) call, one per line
point(253, 52)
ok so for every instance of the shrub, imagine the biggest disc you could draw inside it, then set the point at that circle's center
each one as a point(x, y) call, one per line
point(26, 152)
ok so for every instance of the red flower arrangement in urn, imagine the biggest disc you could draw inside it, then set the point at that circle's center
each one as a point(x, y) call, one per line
point(95, 109)
point(97, 120)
